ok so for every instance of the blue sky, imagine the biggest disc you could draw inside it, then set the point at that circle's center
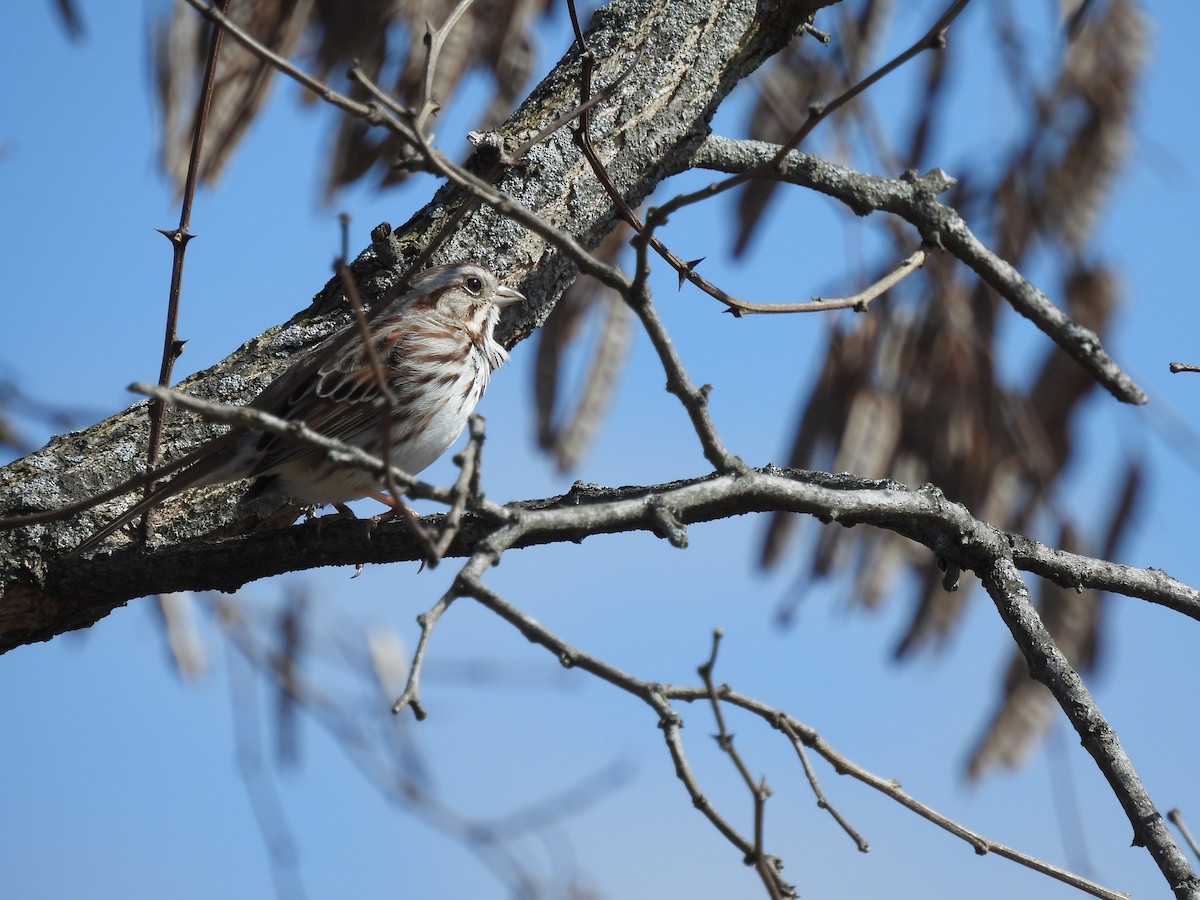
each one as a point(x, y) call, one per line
point(120, 780)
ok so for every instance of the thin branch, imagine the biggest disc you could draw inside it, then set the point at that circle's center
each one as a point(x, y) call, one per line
point(466, 486)
point(583, 140)
point(251, 419)
point(813, 782)
point(858, 302)
point(645, 230)
point(281, 64)
point(344, 454)
point(807, 736)
point(566, 118)
point(658, 697)
point(679, 383)
point(474, 186)
point(179, 238)
point(434, 38)
point(386, 401)
point(758, 792)
point(412, 687)
point(651, 694)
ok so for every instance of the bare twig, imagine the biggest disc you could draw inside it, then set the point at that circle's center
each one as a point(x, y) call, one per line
point(759, 792)
point(585, 104)
point(385, 403)
point(434, 38)
point(583, 140)
point(679, 383)
point(281, 64)
point(658, 697)
point(645, 230)
point(474, 186)
point(179, 238)
point(1177, 367)
point(466, 486)
point(858, 302)
point(802, 735)
point(822, 801)
point(8, 523)
point(651, 694)
point(412, 688)
point(344, 226)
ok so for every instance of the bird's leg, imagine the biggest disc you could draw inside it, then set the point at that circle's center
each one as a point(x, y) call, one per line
point(401, 509)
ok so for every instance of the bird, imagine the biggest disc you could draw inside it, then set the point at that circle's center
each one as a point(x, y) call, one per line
point(436, 346)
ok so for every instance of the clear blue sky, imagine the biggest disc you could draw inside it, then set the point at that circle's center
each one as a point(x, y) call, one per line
point(120, 781)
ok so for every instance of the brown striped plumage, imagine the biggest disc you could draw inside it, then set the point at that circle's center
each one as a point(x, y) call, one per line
point(436, 347)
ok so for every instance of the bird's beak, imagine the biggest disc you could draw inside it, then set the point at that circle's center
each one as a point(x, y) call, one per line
point(506, 296)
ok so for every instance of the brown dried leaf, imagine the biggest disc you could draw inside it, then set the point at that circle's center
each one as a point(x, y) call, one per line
point(567, 437)
point(68, 14)
point(494, 34)
point(382, 35)
point(180, 50)
point(1097, 85)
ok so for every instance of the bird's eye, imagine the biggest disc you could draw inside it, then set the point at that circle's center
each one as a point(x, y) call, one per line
point(474, 284)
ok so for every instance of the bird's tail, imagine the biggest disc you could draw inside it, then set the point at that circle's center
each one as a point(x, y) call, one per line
point(202, 468)
point(195, 470)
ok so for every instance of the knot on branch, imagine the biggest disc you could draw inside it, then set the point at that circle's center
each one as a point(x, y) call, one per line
point(667, 524)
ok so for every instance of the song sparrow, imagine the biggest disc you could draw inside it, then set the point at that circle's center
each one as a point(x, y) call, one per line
point(437, 351)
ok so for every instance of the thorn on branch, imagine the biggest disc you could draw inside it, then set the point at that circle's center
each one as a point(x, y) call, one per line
point(177, 236)
point(689, 269)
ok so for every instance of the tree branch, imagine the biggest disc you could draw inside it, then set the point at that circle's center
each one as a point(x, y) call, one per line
point(1048, 665)
point(914, 199)
point(660, 696)
point(79, 591)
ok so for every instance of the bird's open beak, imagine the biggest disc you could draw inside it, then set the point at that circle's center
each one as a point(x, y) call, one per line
point(506, 296)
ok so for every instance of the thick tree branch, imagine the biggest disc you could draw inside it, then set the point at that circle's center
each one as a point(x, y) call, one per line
point(90, 588)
